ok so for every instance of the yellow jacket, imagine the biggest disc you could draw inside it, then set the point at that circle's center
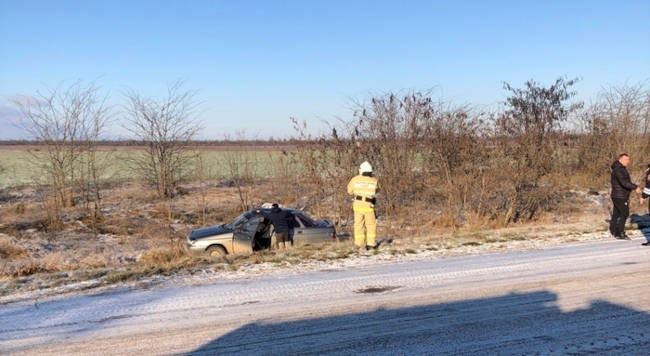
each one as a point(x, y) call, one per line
point(363, 186)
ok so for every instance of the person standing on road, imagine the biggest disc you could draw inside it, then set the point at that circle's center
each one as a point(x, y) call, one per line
point(364, 187)
point(621, 188)
point(282, 221)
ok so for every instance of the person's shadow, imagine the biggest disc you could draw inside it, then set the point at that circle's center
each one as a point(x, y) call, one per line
point(643, 224)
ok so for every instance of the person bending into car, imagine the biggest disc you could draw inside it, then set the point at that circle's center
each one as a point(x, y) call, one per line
point(282, 221)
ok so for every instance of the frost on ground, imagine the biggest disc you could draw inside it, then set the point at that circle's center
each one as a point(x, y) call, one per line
point(294, 262)
point(133, 248)
point(581, 298)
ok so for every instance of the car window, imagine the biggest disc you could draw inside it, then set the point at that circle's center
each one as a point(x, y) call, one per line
point(296, 222)
point(252, 224)
point(306, 221)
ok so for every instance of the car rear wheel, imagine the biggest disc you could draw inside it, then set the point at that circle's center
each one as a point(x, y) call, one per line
point(216, 251)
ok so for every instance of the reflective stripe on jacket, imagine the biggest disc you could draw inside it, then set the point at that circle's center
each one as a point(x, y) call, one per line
point(363, 186)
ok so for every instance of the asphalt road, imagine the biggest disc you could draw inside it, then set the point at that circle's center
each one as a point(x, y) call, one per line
point(575, 299)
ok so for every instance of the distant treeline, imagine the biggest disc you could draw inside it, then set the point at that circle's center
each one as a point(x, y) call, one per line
point(566, 139)
point(199, 143)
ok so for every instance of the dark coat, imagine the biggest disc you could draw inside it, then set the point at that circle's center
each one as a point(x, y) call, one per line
point(621, 183)
point(281, 219)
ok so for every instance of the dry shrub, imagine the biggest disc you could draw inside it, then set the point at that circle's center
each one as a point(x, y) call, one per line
point(156, 231)
point(463, 167)
point(94, 261)
point(123, 276)
point(135, 192)
point(9, 249)
point(18, 208)
point(424, 152)
point(160, 211)
point(57, 261)
point(29, 267)
point(23, 216)
point(168, 259)
point(618, 121)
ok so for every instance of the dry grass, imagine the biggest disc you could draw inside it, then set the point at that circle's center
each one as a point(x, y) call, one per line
point(9, 249)
point(29, 267)
point(137, 241)
point(95, 260)
point(171, 259)
point(166, 259)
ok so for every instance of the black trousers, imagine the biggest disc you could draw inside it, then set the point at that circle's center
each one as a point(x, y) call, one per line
point(619, 216)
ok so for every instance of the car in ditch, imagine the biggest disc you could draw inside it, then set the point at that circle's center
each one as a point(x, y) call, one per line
point(251, 231)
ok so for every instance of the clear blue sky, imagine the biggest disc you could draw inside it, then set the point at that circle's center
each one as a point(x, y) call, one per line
point(256, 63)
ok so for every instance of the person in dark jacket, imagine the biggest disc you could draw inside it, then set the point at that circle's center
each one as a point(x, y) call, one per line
point(621, 188)
point(282, 221)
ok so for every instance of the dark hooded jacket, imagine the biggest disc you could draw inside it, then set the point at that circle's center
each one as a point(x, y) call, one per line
point(281, 219)
point(621, 183)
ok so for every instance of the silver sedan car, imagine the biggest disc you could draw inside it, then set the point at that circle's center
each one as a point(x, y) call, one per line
point(252, 232)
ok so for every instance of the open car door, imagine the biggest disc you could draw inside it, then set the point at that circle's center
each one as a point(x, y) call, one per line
point(244, 234)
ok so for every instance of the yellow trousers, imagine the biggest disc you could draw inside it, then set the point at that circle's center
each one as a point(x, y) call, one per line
point(365, 224)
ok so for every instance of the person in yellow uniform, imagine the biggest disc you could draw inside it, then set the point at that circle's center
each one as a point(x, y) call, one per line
point(364, 187)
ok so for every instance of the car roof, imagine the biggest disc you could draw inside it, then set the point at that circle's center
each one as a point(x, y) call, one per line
point(293, 210)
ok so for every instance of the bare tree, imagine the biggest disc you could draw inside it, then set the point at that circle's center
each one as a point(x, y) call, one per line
point(67, 123)
point(201, 176)
point(166, 128)
point(93, 165)
point(240, 165)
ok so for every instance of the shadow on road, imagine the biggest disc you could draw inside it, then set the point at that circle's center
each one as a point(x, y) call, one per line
point(643, 224)
point(508, 324)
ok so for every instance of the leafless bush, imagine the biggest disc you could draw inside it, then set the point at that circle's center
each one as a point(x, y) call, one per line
point(240, 167)
point(422, 150)
point(618, 121)
point(201, 176)
point(526, 133)
point(166, 128)
point(432, 156)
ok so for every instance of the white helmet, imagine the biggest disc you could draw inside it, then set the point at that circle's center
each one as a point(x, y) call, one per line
point(365, 167)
